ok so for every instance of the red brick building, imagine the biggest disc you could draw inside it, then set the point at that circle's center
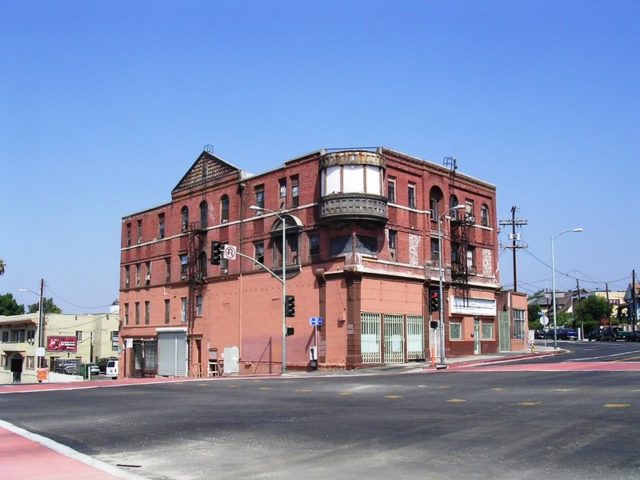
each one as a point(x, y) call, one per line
point(361, 253)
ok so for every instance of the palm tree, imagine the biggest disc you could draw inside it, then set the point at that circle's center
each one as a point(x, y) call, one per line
point(2, 265)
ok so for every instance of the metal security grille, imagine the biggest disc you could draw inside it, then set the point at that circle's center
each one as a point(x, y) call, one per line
point(415, 337)
point(393, 339)
point(370, 338)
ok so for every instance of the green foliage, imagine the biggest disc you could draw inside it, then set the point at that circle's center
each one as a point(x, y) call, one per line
point(565, 319)
point(591, 312)
point(533, 313)
point(2, 266)
point(9, 306)
point(48, 307)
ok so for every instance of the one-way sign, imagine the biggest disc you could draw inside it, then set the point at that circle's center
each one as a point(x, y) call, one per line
point(315, 321)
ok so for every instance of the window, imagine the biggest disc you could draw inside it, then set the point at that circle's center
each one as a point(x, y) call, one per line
point(518, 324)
point(391, 189)
point(393, 238)
point(161, 225)
point(5, 336)
point(259, 198)
point(204, 214)
point(412, 195)
point(127, 276)
point(282, 185)
point(455, 252)
point(314, 244)
point(295, 191)
point(167, 310)
point(487, 330)
point(147, 312)
point(138, 268)
point(128, 234)
point(484, 215)
point(435, 251)
point(435, 203)
point(139, 231)
point(126, 314)
point(344, 245)
point(183, 309)
point(114, 341)
point(199, 305)
point(79, 335)
point(471, 258)
point(184, 265)
point(137, 313)
point(224, 209)
point(31, 334)
point(147, 279)
point(184, 219)
point(30, 362)
point(202, 266)
point(167, 270)
point(455, 330)
point(259, 251)
point(17, 336)
point(470, 210)
point(453, 202)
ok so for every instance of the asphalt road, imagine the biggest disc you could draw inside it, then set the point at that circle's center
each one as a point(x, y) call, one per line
point(445, 425)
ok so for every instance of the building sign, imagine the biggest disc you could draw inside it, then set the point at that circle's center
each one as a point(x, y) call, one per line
point(62, 344)
point(474, 306)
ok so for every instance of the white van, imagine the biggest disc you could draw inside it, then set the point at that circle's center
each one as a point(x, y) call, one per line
point(112, 369)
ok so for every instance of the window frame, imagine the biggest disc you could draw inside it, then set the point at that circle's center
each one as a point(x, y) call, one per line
point(391, 189)
point(412, 199)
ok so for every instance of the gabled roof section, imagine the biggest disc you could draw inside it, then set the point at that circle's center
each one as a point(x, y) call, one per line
point(206, 169)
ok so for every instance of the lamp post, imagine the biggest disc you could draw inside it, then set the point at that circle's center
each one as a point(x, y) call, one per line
point(284, 283)
point(553, 280)
point(441, 322)
point(40, 320)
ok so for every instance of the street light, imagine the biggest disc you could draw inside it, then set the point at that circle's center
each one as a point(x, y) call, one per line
point(553, 280)
point(284, 283)
point(40, 358)
point(441, 322)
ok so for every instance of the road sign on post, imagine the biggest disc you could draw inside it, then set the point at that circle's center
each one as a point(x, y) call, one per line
point(315, 321)
point(230, 252)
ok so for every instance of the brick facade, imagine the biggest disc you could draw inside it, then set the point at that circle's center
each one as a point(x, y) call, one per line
point(356, 252)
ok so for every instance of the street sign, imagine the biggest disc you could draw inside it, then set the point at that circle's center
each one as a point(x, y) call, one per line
point(544, 320)
point(315, 321)
point(229, 252)
point(40, 352)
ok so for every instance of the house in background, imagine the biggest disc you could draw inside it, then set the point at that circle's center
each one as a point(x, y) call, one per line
point(358, 233)
point(85, 337)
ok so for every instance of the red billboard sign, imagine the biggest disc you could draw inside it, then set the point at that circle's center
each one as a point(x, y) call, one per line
point(62, 344)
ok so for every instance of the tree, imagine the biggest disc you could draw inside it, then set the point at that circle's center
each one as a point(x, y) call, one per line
point(9, 306)
point(2, 266)
point(591, 311)
point(48, 307)
point(533, 312)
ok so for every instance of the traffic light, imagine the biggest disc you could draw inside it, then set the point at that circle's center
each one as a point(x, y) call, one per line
point(434, 301)
point(433, 324)
point(290, 306)
point(289, 331)
point(217, 250)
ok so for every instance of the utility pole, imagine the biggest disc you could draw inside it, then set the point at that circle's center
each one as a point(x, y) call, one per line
point(575, 310)
point(515, 238)
point(634, 302)
point(606, 287)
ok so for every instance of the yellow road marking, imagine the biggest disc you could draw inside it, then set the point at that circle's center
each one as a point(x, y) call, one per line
point(265, 388)
point(456, 400)
point(444, 386)
point(304, 391)
point(233, 386)
point(562, 389)
point(346, 393)
point(529, 404)
point(617, 405)
point(498, 389)
point(393, 397)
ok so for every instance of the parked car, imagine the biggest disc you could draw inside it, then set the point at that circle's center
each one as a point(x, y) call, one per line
point(539, 334)
point(102, 363)
point(112, 369)
point(609, 334)
point(563, 334)
point(93, 369)
point(595, 334)
point(632, 337)
point(68, 366)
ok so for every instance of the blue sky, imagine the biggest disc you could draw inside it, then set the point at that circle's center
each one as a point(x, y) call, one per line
point(104, 105)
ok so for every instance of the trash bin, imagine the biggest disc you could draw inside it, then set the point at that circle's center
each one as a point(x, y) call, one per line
point(83, 370)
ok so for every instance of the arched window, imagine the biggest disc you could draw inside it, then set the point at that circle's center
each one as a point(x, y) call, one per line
point(435, 203)
point(204, 213)
point(184, 215)
point(484, 215)
point(224, 209)
point(453, 202)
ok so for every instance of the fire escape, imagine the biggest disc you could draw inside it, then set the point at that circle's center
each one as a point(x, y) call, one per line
point(196, 277)
point(461, 267)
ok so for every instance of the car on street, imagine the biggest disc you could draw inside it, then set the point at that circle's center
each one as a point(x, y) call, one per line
point(102, 363)
point(93, 369)
point(68, 366)
point(563, 333)
point(632, 337)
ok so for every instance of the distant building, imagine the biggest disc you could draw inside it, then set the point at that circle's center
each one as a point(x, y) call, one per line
point(85, 337)
point(361, 254)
